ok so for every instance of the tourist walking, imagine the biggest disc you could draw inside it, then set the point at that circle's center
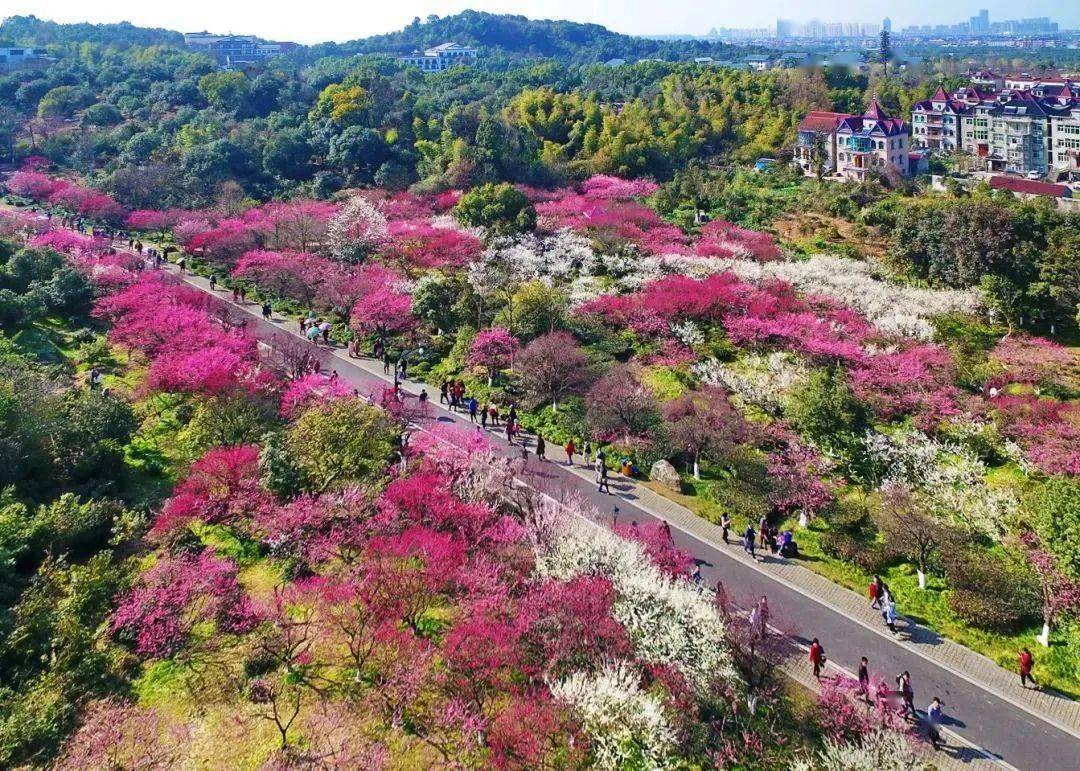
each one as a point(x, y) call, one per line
point(541, 447)
point(444, 392)
point(570, 448)
point(817, 657)
point(213, 281)
point(1027, 663)
point(864, 678)
point(907, 693)
point(933, 720)
point(888, 611)
point(748, 540)
point(266, 311)
point(725, 525)
point(473, 407)
point(763, 532)
point(603, 485)
point(874, 592)
point(483, 416)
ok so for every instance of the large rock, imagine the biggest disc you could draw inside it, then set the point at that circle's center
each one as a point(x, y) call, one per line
point(664, 473)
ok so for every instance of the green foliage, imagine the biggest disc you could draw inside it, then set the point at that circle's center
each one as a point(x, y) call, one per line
point(501, 209)
point(52, 657)
point(991, 594)
point(826, 411)
point(101, 115)
point(1055, 509)
point(224, 90)
point(62, 102)
point(223, 420)
point(343, 442)
point(277, 471)
point(534, 309)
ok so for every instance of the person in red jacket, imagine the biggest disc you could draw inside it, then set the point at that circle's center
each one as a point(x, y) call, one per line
point(817, 657)
point(570, 448)
point(1027, 661)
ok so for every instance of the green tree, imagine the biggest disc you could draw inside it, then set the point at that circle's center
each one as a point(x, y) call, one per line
point(287, 155)
point(62, 102)
point(501, 209)
point(343, 442)
point(224, 90)
point(1055, 509)
point(827, 412)
point(533, 309)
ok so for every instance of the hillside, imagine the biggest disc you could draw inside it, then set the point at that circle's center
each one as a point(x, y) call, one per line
point(32, 31)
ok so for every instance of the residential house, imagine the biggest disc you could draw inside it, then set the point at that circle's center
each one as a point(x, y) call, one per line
point(935, 123)
point(817, 137)
point(21, 57)
point(853, 146)
point(871, 143)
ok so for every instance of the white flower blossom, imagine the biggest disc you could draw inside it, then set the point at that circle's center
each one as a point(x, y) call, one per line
point(669, 620)
point(357, 228)
point(627, 726)
point(881, 749)
point(763, 380)
point(895, 309)
point(948, 473)
point(688, 333)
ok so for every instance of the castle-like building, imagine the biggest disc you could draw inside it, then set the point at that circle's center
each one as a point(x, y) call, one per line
point(855, 146)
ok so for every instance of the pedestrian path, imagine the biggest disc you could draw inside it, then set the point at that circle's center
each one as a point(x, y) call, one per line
point(975, 670)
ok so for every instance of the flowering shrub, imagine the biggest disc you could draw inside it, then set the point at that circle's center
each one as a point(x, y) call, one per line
point(895, 309)
point(1047, 430)
point(626, 725)
point(946, 473)
point(160, 613)
point(304, 391)
point(668, 619)
point(221, 487)
point(493, 349)
point(763, 380)
point(422, 245)
point(723, 239)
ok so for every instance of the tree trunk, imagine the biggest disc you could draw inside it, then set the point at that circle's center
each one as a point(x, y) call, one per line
point(697, 470)
point(922, 579)
point(1044, 638)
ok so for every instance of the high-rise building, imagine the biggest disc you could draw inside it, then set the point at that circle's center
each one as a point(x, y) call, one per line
point(886, 24)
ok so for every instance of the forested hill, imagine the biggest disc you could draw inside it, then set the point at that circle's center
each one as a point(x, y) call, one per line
point(501, 36)
point(509, 36)
point(32, 31)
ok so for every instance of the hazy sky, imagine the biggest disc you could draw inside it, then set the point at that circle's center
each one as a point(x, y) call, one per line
point(310, 21)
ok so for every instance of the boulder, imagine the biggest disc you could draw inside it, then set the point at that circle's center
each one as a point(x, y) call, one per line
point(664, 473)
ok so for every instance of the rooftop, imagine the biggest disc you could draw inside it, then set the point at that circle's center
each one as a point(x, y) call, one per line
point(1029, 187)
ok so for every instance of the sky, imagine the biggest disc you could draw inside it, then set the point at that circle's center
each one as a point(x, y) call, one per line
point(312, 21)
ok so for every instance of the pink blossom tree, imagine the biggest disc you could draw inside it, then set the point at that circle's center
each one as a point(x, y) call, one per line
point(222, 487)
point(175, 595)
point(552, 367)
point(383, 310)
point(493, 349)
point(1060, 593)
point(703, 423)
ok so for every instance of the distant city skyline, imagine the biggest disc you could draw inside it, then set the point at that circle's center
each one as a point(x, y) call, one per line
point(330, 20)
